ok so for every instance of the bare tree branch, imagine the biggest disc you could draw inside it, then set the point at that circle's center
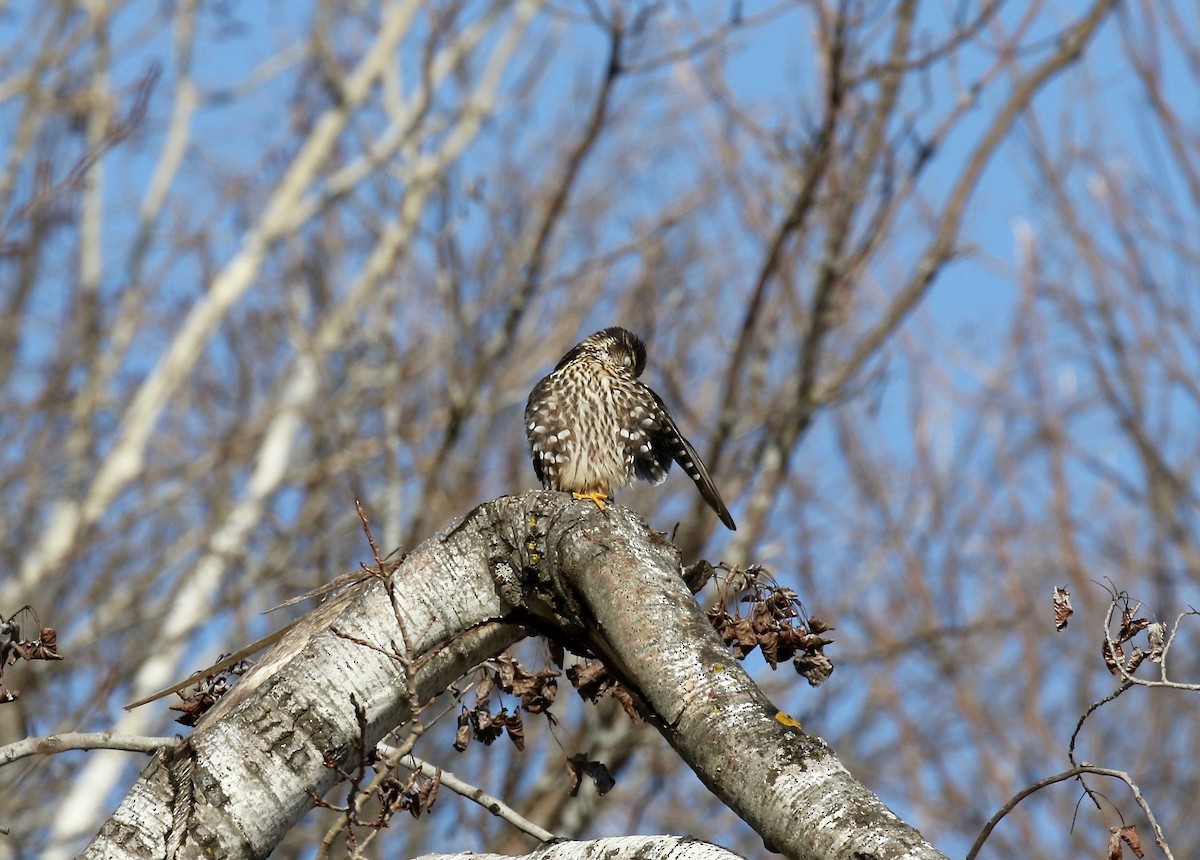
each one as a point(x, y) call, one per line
point(585, 577)
point(82, 741)
point(616, 848)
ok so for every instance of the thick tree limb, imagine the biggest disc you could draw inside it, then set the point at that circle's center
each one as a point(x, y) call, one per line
point(618, 848)
point(600, 582)
point(786, 784)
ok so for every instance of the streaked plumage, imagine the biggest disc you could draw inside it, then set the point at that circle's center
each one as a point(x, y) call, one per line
point(593, 426)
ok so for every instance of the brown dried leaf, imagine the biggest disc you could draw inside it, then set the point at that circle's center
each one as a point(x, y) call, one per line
point(1062, 607)
point(1131, 627)
point(487, 727)
point(724, 628)
point(742, 637)
point(782, 604)
point(1115, 851)
point(462, 737)
point(46, 646)
point(622, 695)
point(754, 574)
point(1129, 836)
point(1135, 660)
point(537, 691)
point(576, 779)
point(769, 644)
point(427, 796)
point(411, 800)
point(541, 695)
point(597, 772)
point(775, 624)
point(484, 688)
point(193, 708)
point(809, 641)
point(1113, 656)
point(787, 646)
point(516, 730)
point(763, 619)
point(815, 668)
point(817, 625)
point(525, 683)
point(588, 679)
point(592, 681)
point(1156, 635)
point(42, 648)
point(390, 791)
point(506, 672)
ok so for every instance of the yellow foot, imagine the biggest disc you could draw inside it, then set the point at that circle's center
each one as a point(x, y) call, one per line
point(597, 497)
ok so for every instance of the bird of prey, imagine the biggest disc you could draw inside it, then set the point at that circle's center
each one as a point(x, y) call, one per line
point(594, 426)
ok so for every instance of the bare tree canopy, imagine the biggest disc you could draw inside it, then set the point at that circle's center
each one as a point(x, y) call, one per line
point(917, 280)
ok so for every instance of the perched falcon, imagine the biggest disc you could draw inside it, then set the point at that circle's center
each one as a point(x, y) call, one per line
point(593, 426)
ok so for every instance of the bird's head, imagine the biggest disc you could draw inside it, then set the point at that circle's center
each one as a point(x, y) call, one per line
point(616, 346)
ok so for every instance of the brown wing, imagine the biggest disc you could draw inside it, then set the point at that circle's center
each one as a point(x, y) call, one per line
point(667, 443)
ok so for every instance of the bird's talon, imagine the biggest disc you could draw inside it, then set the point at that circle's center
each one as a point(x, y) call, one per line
point(598, 498)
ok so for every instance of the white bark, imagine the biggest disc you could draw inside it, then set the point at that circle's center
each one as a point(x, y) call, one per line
point(616, 848)
point(292, 204)
point(600, 582)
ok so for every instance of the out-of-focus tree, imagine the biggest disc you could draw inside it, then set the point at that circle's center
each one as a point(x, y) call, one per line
point(919, 278)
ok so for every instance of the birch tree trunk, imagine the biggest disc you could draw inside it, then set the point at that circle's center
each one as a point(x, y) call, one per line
point(349, 673)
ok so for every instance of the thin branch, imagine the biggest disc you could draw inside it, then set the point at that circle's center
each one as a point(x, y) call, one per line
point(817, 161)
point(1126, 676)
point(942, 248)
point(1060, 777)
point(1092, 709)
point(533, 264)
point(473, 793)
point(83, 741)
point(127, 457)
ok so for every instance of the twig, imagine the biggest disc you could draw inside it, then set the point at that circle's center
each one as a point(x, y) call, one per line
point(83, 741)
point(1092, 709)
point(494, 805)
point(1125, 673)
point(403, 656)
point(1060, 777)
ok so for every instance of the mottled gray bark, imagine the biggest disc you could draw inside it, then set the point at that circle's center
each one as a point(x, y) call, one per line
point(597, 581)
point(616, 848)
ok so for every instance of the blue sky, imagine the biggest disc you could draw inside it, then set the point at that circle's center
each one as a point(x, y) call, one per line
point(771, 69)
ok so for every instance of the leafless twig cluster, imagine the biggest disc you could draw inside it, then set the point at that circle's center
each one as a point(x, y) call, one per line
point(921, 279)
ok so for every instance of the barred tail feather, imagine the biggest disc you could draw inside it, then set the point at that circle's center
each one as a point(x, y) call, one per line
point(682, 452)
point(685, 455)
